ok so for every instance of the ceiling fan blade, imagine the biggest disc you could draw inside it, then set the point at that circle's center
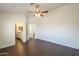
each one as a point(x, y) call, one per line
point(41, 14)
point(44, 11)
point(37, 6)
point(32, 3)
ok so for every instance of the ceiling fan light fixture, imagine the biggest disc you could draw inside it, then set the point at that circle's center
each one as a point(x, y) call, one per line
point(37, 15)
point(37, 10)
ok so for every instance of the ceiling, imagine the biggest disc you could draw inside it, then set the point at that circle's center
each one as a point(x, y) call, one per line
point(24, 7)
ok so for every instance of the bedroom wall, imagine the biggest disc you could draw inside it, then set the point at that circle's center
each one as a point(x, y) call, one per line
point(60, 26)
point(7, 28)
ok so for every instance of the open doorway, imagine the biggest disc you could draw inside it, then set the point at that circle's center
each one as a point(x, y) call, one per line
point(18, 32)
point(18, 39)
point(31, 31)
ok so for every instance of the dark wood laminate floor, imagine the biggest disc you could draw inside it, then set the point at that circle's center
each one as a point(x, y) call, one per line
point(38, 48)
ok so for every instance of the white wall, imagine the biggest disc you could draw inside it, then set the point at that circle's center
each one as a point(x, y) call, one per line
point(60, 26)
point(7, 28)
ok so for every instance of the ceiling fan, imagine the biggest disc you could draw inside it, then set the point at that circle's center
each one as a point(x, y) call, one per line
point(37, 10)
